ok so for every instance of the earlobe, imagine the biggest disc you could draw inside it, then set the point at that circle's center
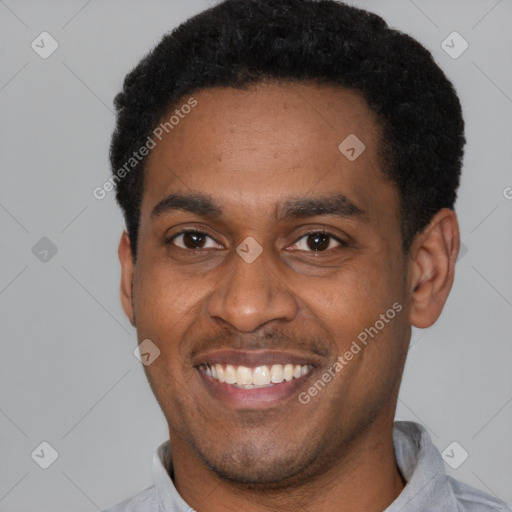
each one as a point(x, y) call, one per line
point(432, 267)
point(127, 269)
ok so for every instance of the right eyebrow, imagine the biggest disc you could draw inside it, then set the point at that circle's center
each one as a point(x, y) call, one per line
point(199, 204)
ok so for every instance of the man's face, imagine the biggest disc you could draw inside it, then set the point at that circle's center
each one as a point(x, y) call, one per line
point(268, 159)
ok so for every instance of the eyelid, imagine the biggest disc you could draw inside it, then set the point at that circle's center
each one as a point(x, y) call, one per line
point(170, 239)
point(343, 243)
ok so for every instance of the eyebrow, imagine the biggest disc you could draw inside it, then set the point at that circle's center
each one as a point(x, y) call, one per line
point(199, 204)
point(334, 204)
point(205, 206)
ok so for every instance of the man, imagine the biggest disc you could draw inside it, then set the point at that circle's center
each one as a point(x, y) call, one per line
point(288, 170)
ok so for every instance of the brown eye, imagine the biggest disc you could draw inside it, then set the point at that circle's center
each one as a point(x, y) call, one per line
point(193, 240)
point(317, 242)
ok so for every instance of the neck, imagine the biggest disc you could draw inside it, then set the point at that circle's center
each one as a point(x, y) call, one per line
point(364, 477)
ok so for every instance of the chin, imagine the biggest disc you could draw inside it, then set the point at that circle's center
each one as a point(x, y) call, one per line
point(255, 466)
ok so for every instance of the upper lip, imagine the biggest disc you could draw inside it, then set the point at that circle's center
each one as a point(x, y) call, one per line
point(253, 358)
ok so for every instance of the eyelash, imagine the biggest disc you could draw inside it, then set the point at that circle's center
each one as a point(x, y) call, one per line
point(309, 233)
point(322, 232)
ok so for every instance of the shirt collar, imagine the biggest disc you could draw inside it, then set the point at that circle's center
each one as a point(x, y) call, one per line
point(169, 499)
point(427, 487)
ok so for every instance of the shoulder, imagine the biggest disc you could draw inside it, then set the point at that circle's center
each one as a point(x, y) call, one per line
point(144, 501)
point(470, 499)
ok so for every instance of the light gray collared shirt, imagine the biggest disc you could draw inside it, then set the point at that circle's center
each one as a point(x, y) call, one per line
point(428, 489)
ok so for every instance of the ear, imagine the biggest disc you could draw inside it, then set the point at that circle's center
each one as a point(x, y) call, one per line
point(127, 269)
point(431, 267)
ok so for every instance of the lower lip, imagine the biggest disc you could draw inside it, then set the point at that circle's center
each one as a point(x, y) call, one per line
point(255, 398)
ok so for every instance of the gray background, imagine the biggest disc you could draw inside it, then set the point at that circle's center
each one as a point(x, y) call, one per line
point(68, 375)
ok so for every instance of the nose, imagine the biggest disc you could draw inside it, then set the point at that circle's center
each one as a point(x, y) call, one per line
point(252, 294)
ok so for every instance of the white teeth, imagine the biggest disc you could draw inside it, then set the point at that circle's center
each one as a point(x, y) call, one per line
point(221, 374)
point(288, 372)
point(276, 373)
point(260, 376)
point(244, 376)
point(230, 374)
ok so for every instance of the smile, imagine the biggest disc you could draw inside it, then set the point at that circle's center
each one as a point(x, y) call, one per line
point(245, 377)
point(254, 379)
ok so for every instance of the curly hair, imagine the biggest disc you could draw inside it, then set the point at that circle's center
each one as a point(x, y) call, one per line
point(241, 42)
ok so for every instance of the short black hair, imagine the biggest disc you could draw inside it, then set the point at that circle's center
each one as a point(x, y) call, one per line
point(241, 42)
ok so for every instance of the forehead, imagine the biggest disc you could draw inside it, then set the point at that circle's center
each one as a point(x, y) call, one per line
point(256, 145)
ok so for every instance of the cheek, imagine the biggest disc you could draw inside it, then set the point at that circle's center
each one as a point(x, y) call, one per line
point(356, 298)
point(165, 298)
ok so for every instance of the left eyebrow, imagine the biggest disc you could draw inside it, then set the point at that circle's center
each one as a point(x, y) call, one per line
point(336, 204)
